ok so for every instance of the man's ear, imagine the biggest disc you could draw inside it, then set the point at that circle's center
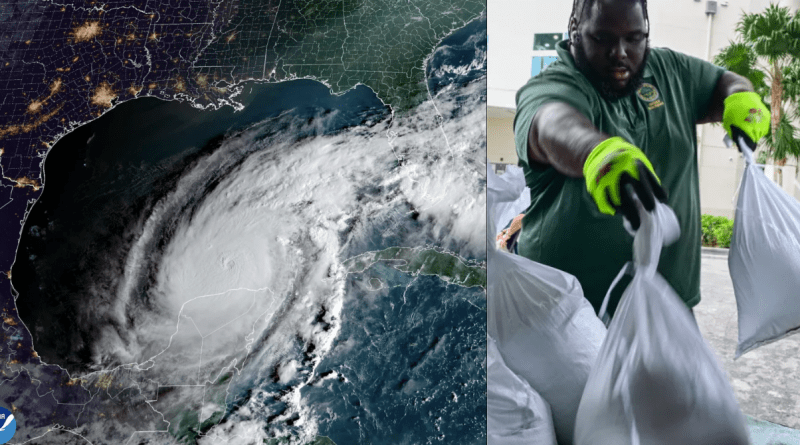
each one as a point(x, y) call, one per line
point(573, 30)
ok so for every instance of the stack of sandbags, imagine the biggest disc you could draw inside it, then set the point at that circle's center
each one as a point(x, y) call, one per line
point(546, 331)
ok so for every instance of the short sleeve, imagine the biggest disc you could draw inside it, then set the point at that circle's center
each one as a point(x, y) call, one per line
point(703, 77)
point(552, 85)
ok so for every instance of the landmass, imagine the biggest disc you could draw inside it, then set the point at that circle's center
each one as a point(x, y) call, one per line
point(67, 63)
point(426, 261)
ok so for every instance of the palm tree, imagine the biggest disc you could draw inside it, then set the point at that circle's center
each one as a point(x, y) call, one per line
point(768, 54)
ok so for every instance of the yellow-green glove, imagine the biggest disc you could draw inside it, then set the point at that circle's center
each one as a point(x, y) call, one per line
point(612, 165)
point(746, 113)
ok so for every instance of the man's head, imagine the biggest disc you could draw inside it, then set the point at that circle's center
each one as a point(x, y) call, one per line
point(608, 40)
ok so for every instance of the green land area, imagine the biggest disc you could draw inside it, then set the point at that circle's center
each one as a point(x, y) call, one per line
point(379, 43)
point(447, 266)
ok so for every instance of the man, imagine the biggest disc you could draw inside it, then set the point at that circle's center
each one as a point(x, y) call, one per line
point(612, 118)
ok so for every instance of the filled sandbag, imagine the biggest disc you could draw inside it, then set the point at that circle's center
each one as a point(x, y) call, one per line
point(546, 331)
point(514, 180)
point(515, 413)
point(764, 260)
point(656, 381)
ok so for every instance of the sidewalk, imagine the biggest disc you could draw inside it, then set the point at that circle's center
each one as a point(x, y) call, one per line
point(766, 380)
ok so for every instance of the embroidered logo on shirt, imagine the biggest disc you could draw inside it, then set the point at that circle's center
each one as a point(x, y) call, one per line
point(648, 93)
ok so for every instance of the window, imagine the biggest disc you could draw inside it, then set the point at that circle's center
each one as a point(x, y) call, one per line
point(540, 62)
point(546, 42)
point(544, 50)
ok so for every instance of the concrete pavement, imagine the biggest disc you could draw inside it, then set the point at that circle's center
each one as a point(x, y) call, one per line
point(766, 380)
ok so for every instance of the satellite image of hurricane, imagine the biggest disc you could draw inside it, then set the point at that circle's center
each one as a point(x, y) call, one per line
point(243, 222)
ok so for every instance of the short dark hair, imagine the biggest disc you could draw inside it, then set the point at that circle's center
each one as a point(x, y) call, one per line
point(579, 7)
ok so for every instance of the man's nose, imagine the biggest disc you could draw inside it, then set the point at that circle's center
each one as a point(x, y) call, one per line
point(619, 51)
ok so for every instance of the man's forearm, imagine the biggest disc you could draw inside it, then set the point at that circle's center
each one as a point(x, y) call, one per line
point(562, 137)
point(727, 84)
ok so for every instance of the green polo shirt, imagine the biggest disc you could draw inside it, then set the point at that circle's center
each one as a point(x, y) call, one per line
point(562, 227)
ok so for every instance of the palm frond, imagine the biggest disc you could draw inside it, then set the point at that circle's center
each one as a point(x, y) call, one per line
point(772, 33)
point(736, 57)
point(791, 81)
point(741, 59)
point(770, 41)
point(787, 142)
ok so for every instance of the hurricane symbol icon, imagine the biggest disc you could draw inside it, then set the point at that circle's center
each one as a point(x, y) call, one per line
point(9, 425)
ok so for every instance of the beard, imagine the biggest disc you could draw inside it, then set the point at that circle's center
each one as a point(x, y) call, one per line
point(604, 87)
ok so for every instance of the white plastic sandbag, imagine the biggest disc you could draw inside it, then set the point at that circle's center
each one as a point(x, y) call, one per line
point(508, 210)
point(764, 260)
point(656, 381)
point(515, 413)
point(546, 331)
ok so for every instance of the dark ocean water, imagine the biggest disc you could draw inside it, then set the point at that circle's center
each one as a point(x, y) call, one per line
point(412, 362)
point(101, 175)
point(466, 47)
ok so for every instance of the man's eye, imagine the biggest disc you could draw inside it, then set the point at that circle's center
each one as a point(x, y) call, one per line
point(636, 38)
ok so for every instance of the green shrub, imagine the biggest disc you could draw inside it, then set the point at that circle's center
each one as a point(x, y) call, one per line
point(707, 222)
point(723, 233)
point(717, 230)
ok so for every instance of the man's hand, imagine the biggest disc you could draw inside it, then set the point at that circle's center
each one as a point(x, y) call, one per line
point(610, 167)
point(745, 114)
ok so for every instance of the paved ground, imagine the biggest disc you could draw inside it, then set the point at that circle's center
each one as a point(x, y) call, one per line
point(766, 380)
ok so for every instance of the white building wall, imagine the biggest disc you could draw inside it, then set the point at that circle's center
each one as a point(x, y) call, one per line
point(500, 136)
point(510, 28)
point(681, 25)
